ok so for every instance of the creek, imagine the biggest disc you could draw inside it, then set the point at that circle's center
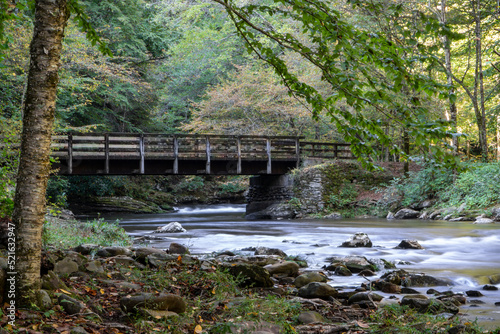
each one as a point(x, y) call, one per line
point(460, 251)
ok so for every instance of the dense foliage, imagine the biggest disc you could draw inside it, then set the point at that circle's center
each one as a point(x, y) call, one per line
point(397, 79)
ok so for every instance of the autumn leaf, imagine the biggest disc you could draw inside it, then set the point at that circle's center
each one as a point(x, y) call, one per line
point(198, 329)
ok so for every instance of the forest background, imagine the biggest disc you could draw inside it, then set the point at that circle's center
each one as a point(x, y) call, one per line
point(181, 66)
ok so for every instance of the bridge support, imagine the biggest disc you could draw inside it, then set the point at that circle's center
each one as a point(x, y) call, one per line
point(266, 190)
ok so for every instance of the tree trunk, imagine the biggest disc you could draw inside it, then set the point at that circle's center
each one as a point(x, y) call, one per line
point(29, 208)
point(479, 83)
point(406, 149)
point(449, 78)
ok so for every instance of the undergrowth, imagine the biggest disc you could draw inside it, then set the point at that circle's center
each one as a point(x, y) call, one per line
point(63, 234)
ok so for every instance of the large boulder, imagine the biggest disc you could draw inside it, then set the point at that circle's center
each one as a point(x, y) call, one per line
point(317, 290)
point(173, 227)
point(406, 214)
point(251, 275)
point(359, 239)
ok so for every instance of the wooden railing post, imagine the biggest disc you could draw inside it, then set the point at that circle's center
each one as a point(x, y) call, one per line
point(238, 145)
point(268, 149)
point(106, 153)
point(207, 167)
point(70, 153)
point(335, 151)
point(176, 155)
point(141, 151)
point(297, 151)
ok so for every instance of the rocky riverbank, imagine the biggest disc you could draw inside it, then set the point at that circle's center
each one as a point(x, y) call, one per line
point(94, 289)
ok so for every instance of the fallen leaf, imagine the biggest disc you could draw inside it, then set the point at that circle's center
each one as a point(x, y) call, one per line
point(67, 292)
point(198, 329)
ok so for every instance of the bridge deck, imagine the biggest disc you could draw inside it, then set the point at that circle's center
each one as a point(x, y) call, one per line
point(154, 154)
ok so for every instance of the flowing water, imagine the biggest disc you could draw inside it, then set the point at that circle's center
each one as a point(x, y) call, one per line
point(461, 251)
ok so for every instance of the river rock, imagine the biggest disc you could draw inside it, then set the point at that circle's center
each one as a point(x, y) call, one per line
point(94, 266)
point(495, 213)
point(424, 305)
point(78, 330)
point(309, 277)
point(406, 213)
point(488, 287)
point(113, 251)
point(409, 244)
point(402, 277)
point(52, 282)
point(173, 227)
point(142, 252)
point(310, 317)
point(43, 300)
point(386, 287)
point(359, 239)
point(287, 268)
point(86, 249)
point(65, 267)
point(176, 248)
point(473, 293)
point(127, 261)
point(494, 279)
point(260, 260)
point(354, 263)
point(158, 314)
point(252, 275)
point(342, 270)
point(333, 215)
point(361, 297)
point(70, 305)
point(269, 251)
point(367, 273)
point(484, 220)
point(158, 260)
point(317, 290)
point(162, 302)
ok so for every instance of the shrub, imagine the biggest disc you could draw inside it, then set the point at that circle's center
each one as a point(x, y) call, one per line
point(479, 187)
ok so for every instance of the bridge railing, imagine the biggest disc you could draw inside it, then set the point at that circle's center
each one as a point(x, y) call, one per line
point(126, 146)
point(326, 150)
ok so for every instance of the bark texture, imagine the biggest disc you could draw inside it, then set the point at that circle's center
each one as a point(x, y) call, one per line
point(51, 17)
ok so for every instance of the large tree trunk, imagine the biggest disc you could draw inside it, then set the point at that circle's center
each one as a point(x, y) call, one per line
point(51, 17)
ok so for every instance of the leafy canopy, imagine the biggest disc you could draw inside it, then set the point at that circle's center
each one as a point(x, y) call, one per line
point(347, 56)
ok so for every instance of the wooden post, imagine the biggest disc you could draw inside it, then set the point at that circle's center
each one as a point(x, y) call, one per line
point(106, 153)
point(176, 155)
point(141, 151)
point(297, 151)
point(268, 149)
point(238, 145)
point(70, 153)
point(335, 151)
point(207, 167)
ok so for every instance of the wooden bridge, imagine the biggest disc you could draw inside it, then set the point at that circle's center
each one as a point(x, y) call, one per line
point(160, 154)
